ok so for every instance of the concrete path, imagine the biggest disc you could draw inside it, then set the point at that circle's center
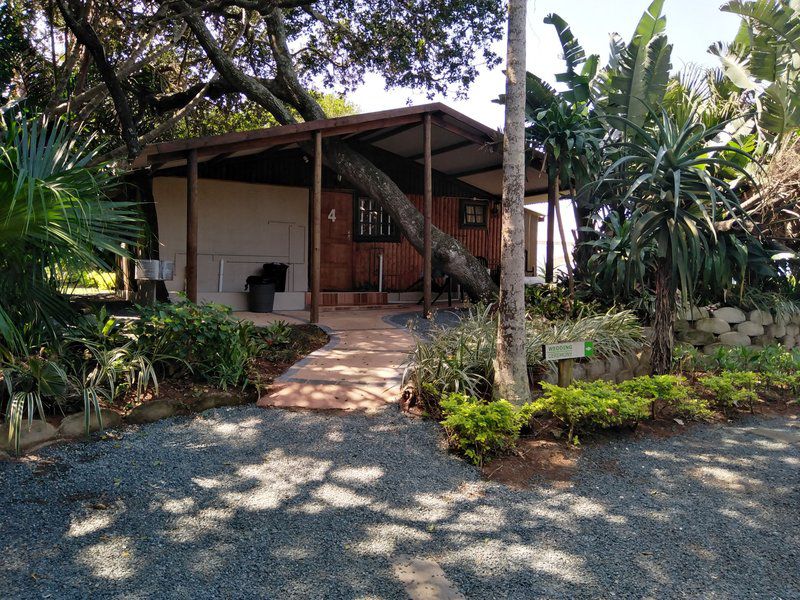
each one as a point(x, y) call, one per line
point(359, 369)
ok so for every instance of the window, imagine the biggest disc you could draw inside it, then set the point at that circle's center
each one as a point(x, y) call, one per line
point(473, 213)
point(373, 223)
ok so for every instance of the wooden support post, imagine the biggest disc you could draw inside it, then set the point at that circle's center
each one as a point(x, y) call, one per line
point(316, 229)
point(552, 202)
point(565, 372)
point(427, 256)
point(191, 226)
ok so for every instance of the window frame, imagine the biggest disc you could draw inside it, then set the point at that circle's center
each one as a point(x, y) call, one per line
point(462, 213)
point(358, 236)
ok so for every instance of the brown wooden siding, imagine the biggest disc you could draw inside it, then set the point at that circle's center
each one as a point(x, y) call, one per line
point(402, 264)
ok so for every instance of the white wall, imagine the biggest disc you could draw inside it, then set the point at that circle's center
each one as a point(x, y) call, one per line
point(244, 224)
point(568, 216)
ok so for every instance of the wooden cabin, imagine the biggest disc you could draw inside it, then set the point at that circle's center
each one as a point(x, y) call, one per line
point(227, 204)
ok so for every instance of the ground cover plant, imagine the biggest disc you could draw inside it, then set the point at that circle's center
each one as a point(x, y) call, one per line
point(460, 359)
point(714, 387)
point(103, 361)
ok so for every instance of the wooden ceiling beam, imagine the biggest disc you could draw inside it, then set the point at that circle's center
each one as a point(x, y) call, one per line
point(443, 150)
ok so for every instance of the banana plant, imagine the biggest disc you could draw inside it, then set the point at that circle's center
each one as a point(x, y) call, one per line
point(764, 61)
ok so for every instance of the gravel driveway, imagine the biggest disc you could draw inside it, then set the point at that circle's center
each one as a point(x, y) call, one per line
point(250, 503)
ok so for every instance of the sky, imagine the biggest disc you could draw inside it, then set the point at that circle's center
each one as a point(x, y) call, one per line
point(692, 26)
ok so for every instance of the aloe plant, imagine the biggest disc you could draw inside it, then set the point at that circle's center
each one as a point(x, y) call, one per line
point(670, 184)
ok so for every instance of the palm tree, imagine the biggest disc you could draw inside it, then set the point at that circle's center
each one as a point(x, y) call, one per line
point(671, 178)
point(511, 373)
point(55, 215)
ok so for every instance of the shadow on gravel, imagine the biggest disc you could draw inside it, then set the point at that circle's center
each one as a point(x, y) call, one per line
point(251, 503)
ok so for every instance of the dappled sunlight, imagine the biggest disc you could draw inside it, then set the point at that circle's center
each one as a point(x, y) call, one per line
point(178, 506)
point(86, 524)
point(724, 478)
point(272, 486)
point(187, 528)
point(483, 519)
point(358, 475)
point(383, 539)
point(353, 493)
point(110, 559)
point(340, 497)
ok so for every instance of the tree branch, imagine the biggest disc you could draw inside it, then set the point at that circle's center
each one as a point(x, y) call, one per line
point(86, 35)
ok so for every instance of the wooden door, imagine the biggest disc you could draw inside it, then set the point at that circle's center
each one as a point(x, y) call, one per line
point(337, 242)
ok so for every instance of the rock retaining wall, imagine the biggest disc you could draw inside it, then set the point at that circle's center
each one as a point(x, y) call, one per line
point(611, 369)
point(728, 326)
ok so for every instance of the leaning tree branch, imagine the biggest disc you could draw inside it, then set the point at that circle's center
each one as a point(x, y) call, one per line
point(250, 86)
point(86, 35)
point(153, 134)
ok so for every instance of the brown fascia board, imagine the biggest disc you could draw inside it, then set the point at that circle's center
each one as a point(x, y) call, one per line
point(164, 152)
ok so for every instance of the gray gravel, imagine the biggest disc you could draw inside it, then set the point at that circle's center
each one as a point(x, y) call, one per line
point(248, 503)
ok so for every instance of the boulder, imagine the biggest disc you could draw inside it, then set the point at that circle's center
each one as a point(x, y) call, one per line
point(796, 318)
point(730, 314)
point(713, 325)
point(625, 375)
point(792, 329)
point(750, 328)
point(595, 369)
point(763, 340)
point(691, 313)
point(39, 432)
point(776, 331)
point(682, 325)
point(760, 317)
point(152, 411)
point(630, 361)
point(642, 370)
point(782, 320)
point(734, 338)
point(578, 372)
point(73, 425)
point(218, 398)
point(788, 341)
point(695, 337)
point(614, 366)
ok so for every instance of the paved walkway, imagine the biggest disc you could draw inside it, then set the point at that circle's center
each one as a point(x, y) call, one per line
point(361, 368)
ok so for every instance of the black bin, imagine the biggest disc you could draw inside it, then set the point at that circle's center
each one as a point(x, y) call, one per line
point(260, 294)
point(276, 273)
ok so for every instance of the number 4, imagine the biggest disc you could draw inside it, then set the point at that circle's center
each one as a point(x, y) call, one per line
point(332, 215)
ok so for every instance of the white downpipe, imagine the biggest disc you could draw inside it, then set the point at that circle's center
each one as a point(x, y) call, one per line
point(221, 274)
point(380, 272)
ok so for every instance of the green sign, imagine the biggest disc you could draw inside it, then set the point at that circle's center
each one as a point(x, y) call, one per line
point(567, 350)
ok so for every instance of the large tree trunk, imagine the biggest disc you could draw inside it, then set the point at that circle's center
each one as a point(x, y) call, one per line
point(663, 321)
point(510, 369)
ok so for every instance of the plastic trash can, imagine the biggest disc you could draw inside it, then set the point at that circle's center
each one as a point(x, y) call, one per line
point(260, 294)
point(276, 273)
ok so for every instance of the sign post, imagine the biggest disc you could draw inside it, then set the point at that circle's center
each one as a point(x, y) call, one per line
point(565, 353)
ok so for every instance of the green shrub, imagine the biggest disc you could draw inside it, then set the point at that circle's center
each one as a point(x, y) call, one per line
point(553, 302)
point(460, 359)
point(733, 389)
point(479, 429)
point(217, 348)
point(671, 392)
point(589, 405)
